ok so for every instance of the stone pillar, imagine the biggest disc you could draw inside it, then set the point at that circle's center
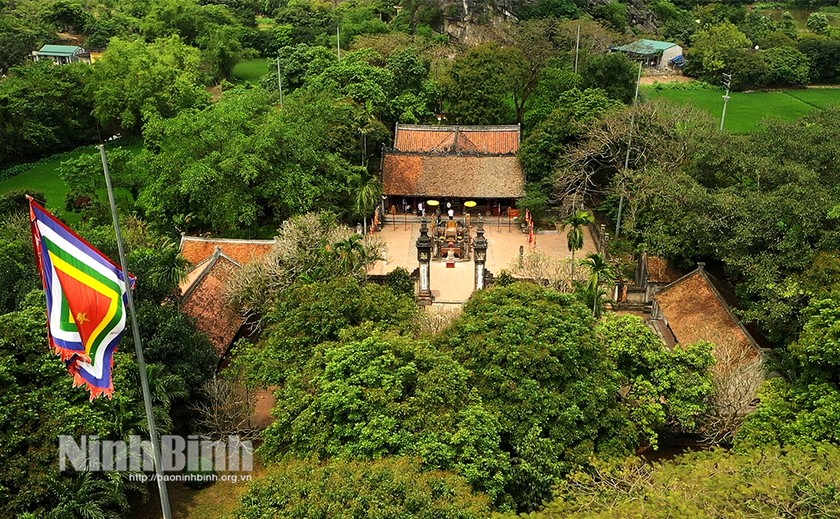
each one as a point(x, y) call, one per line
point(424, 255)
point(480, 249)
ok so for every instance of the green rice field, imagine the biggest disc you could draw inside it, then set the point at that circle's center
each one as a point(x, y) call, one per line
point(251, 70)
point(746, 111)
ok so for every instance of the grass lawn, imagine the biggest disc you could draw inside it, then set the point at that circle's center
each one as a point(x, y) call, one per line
point(819, 97)
point(746, 111)
point(44, 177)
point(251, 70)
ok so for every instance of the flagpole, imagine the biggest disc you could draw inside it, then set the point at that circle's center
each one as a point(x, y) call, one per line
point(135, 329)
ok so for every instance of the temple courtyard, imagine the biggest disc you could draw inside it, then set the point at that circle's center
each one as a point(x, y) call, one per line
point(453, 286)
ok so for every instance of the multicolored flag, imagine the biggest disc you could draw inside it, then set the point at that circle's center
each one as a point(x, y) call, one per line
point(86, 300)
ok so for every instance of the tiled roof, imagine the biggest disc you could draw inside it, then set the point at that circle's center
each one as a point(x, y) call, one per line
point(696, 310)
point(204, 302)
point(453, 176)
point(490, 140)
point(196, 249)
point(660, 270)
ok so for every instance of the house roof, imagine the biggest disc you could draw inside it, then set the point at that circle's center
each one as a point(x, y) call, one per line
point(196, 249)
point(698, 307)
point(491, 140)
point(660, 270)
point(202, 299)
point(491, 176)
point(59, 50)
point(646, 47)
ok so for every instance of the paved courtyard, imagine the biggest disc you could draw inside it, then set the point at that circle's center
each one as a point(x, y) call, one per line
point(455, 285)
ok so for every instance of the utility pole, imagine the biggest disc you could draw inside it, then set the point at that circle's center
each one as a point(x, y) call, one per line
point(627, 157)
point(727, 81)
point(577, 48)
point(279, 81)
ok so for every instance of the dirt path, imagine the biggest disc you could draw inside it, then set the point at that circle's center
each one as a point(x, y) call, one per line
point(649, 80)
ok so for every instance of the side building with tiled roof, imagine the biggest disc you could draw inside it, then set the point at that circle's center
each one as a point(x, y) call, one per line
point(699, 307)
point(214, 261)
point(453, 164)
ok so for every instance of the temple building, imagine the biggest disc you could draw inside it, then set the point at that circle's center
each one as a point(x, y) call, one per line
point(453, 164)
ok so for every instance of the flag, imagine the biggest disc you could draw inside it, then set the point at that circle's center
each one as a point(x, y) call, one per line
point(86, 300)
point(532, 238)
point(375, 223)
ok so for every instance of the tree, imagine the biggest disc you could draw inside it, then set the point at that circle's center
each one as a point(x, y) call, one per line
point(367, 193)
point(613, 73)
point(18, 273)
point(820, 52)
point(391, 487)
point(479, 83)
point(315, 313)
point(309, 248)
point(254, 165)
point(87, 495)
point(135, 81)
point(797, 409)
point(662, 390)
point(374, 395)
point(18, 37)
point(33, 123)
point(713, 49)
point(817, 23)
point(600, 272)
point(226, 409)
point(786, 66)
point(534, 359)
point(574, 238)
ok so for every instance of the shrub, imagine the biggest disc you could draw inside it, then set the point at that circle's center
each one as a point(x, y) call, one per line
point(400, 282)
point(758, 483)
point(14, 202)
point(386, 488)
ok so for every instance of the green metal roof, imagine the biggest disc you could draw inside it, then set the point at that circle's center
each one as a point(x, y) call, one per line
point(646, 47)
point(59, 50)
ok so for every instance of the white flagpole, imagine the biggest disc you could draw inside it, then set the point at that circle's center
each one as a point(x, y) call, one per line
point(135, 329)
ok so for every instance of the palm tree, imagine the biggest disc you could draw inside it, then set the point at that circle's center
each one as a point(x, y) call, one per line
point(599, 272)
point(367, 193)
point(87, 495)
point(576, 222)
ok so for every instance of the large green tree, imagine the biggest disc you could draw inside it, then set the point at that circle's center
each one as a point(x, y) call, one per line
point(533, 357)
point(44, 110)
point(374, 395)
point(252, 164)
point(136, 81)
point(802, 406)
point(481, 82)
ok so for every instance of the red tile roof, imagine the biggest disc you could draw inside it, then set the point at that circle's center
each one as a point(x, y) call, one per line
point(695, 310)
point(196, 249)
point(453, 176)
point(490, 140)
point(204, 301)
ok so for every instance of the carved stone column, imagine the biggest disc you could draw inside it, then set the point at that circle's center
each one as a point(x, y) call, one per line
point(480, 250)
point(424, 255)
